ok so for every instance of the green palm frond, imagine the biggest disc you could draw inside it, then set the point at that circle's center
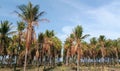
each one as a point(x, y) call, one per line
point(29, 13)
point(85, 36)
point(78, 32)
point(20, 26)
point(93, 41)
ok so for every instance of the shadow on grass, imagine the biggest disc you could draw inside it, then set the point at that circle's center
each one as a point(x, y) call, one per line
point(18, 70)
point(48, 69)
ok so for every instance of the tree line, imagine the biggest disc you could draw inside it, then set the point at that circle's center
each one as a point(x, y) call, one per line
point(21, 47)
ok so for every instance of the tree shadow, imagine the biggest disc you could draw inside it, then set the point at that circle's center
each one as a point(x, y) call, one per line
point(48, 69)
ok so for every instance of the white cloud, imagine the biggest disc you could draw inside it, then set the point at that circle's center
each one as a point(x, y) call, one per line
point(66, 30)
point(104, 20)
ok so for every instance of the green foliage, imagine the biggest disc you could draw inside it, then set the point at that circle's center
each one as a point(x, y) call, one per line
point(57, 43)
point(49, 34)
point(5, 32)
point(41, 38)
point(29, 12)
point(93, 41)
point(78, 31)
point(20, 26)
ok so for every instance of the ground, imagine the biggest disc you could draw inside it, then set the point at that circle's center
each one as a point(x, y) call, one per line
point(65, 68)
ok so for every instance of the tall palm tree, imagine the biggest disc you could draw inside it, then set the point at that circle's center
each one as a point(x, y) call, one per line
point(78, 35)
point(30, 14)
point(5, 32)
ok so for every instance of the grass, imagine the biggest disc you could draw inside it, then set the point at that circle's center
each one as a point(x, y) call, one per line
point(65, 68)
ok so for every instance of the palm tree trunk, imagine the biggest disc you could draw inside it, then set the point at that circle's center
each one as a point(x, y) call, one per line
point(28, 43)
point(78, 58)
point(117, 58)
point(94, 61)
point(2, 60)
point(25, 63)
point(67, 57)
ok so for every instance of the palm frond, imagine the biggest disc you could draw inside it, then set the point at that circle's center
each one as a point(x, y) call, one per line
point(85, 36)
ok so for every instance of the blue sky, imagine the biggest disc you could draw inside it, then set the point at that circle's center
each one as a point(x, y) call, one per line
point(97, 17)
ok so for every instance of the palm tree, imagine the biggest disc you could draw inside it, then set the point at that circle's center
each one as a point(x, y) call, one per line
point(109, 49)
point(48, 43)
point(115, 47)
point(13, 50)
point(69, 48)
point(87, 51)
point(30, 14)
point(78, 35)
point(56, 49)
point(101, 40)
point(41, 42)
point(20, 28)
point(5, 32)
point(50, 46)
point(93, 43)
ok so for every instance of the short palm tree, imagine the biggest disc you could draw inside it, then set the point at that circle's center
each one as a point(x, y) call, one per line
point(69, 48)
point(41, 42)
point(101, 41)
point(49, 35)
point(78, 36)
point(115, 47)
point(5, 32)
point(20, 28)
point(94, 50)
point(56, 49)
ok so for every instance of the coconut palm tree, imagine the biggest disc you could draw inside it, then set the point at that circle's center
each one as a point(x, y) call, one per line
point(78, 36)
point(87, 51)
point(41, 42)
point(20, 28)
point(115, 47)
point(101, 41)
point(56, 49)
point(30, 14)
point(48, 44)
point(12, 50)
point(67, 46)
point(5, 32)
point(93, 45)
